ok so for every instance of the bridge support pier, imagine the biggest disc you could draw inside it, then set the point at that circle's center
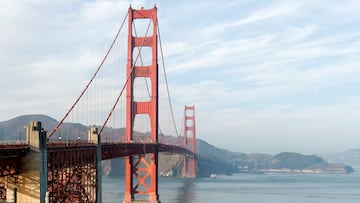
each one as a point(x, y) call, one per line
point(43, 163)
point(58, 173)
point(94, 137)
point(141, 172)
point(28, 178)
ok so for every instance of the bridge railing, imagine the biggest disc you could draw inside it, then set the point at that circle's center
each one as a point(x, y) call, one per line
point(9, 143)
point(70, 143)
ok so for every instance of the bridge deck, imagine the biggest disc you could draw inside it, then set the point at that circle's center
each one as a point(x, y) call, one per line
point(13, 150)
point(109, 150)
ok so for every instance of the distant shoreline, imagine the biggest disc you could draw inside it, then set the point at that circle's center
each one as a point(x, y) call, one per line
point(306, 171)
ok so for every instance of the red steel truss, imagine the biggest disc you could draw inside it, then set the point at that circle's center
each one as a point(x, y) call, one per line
point(10, 157)
point(142, 173)
point(72, 174)
point(2, 192)
point(189, 141)
point(10, 162)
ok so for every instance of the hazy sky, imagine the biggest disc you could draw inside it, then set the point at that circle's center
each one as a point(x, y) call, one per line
point(265, 76)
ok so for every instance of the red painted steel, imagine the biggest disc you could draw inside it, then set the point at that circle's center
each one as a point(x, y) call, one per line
point(72, 167)
point(10, 159)
point(142, 174)
point(189, 141)
point(13, 150)
point(72, 173)
point(2, 192)
point(116, 150)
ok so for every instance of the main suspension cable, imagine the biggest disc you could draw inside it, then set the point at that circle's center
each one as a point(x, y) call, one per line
point(91, 80)
point(166, 81)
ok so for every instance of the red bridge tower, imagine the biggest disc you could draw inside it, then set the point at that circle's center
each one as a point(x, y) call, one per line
point(142, 173)
point(189, 141)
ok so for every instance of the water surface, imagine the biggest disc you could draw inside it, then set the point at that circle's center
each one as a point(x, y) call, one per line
point(254, 188)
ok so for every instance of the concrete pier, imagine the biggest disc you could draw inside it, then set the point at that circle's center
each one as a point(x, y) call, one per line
point(53, 172)
point(30, 184)
point(95, 138)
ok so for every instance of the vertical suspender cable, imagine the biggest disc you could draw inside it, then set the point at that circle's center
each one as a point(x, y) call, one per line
point(91, 80)
point(127, 80)
point(167, 86)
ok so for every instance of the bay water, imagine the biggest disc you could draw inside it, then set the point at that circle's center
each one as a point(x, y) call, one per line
point(249, 188)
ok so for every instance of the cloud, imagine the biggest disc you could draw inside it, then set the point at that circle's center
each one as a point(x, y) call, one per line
point(254, 70)
point(263, 14)
point(283, 127)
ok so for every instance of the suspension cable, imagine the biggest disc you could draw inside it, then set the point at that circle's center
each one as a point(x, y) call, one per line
point(181, 131)
point(91, 80)
point(166, 81)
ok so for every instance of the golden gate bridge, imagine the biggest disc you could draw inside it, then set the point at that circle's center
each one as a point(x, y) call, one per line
point(124, 114)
